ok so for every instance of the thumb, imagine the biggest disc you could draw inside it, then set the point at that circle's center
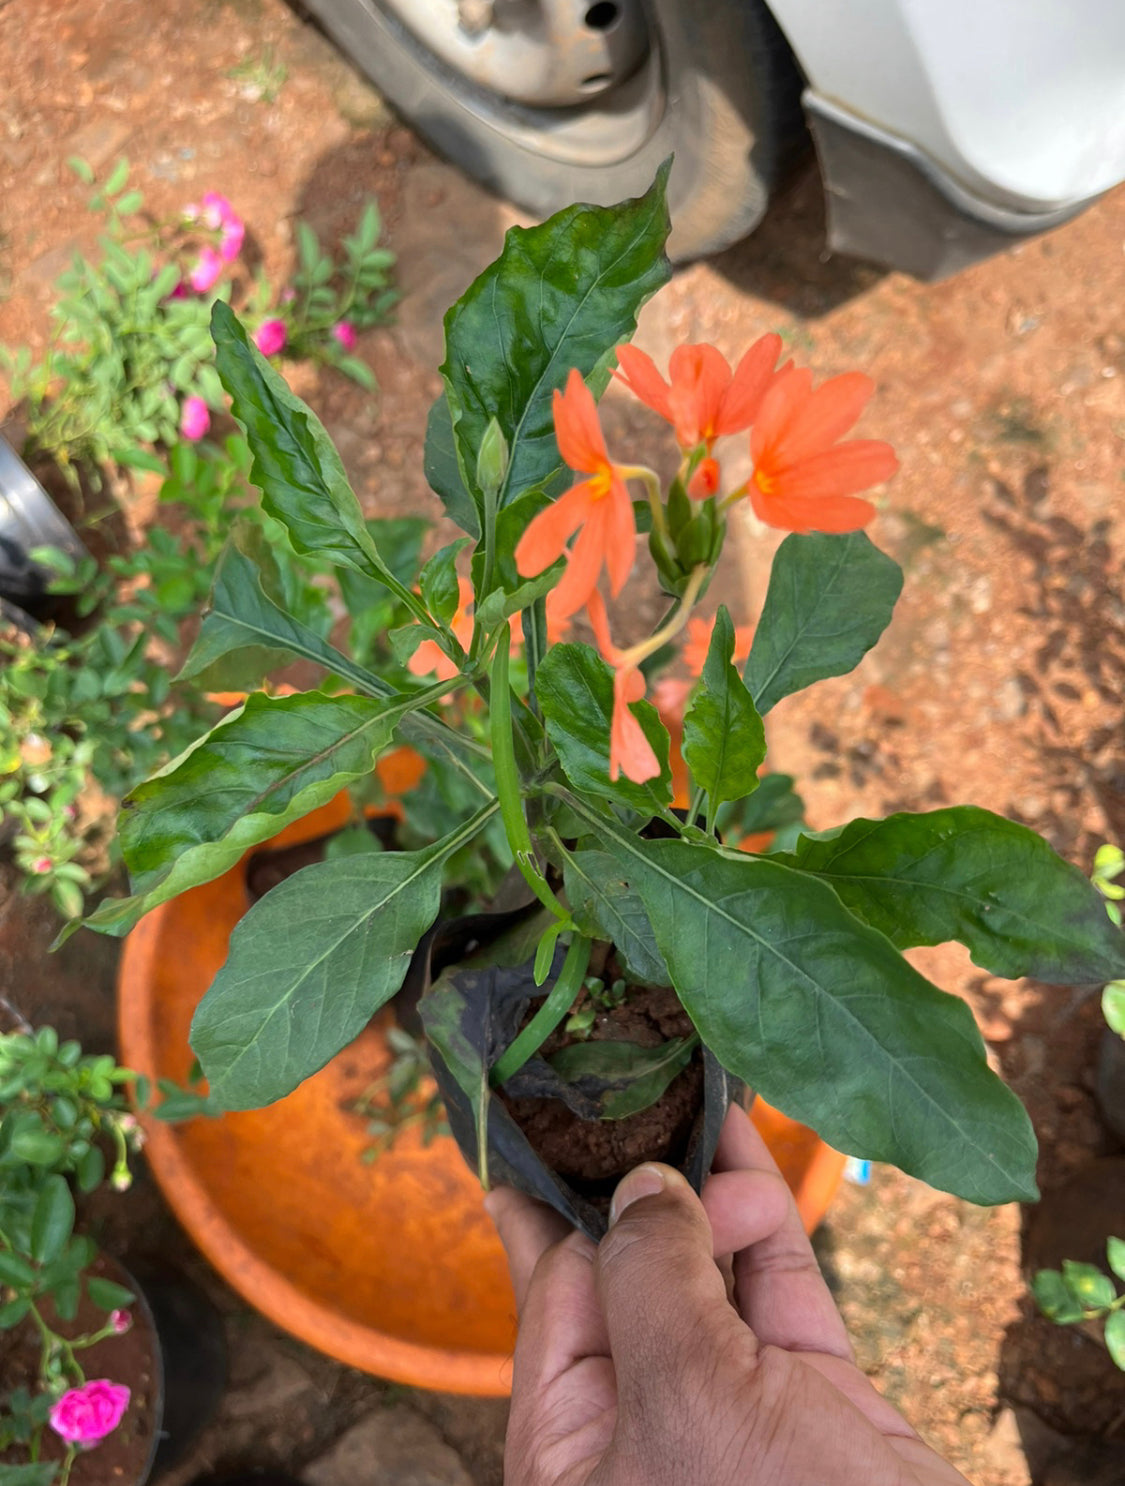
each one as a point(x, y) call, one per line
point(664, 1300)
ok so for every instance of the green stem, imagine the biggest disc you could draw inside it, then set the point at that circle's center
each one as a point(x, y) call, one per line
point(64, 1477)
point(508, 780)
point(559, 1001)
point(696, 804)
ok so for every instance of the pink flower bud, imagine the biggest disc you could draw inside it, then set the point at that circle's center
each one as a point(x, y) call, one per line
point(344, 333)
point(288, 294)
point(206, 272)
point(270, 337)
point(121, 1321)
point(121, 1179)
point(42, 865)
point(83, 1416)
point(195, 418)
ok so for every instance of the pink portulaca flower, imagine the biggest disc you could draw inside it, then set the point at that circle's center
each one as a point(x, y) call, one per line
point(121, 1322)
point(345, 334)
point(206, 272)
point(195, 418)
point(42, 865)
point(270, 337)
point(84, 1416)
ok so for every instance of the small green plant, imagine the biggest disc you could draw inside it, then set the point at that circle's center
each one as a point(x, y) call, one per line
point(131, 364)
point(1082, 1292)
point(64, 1126)
point(403, 1098)
point(598, 997)
point(262, 76)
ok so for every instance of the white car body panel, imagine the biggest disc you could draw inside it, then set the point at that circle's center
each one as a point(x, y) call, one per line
point(1022, 102)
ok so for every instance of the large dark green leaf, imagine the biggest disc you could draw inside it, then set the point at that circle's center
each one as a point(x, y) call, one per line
point(829, 599)
point(458, 1029)
point(574, 687)
point(966, 874)
point(260, 768)
point(605, 907)
point(724, 740)
point(824, 1018)
point(295, 466)
point(443, 474)
point(310, 964)
point(560, 295)
point(247, 632)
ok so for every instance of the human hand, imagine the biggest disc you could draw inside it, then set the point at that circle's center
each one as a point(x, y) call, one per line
point(633, 1367)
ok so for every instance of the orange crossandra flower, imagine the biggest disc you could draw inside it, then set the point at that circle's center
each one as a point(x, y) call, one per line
point(804, 480)
point(600, 506)
point(704, 399)
point(630, 752)
point(430, 657)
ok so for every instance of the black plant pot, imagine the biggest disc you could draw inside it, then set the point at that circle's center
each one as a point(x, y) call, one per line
point(193, 1359)
point(29, 518)
point(500, 997)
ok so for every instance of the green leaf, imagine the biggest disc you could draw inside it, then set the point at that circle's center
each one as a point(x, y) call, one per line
point(574, 687)
point(117, 177)
point(270, 763)
point(310, 964)
point(242, 619)
point(13, 1312)
point(107, 1295)
point(560, 295)
point(627, 1078)
point(604, 907)
point(81, 169)
point(52, 1220)
point(963, 873)
point(89, 1169)
point(40, 1474)
point(1113, 1006)
point(1115, 1254)
point(15, 1271)
point(824, 1018)
point(1115, 1338)
point(724, 740)
point(510, 590)
point(774, 806)
point(295, 466)
point(37, 1147)
point(1053, 1297)
point(1088, 1285)
point(443, 473)
point(440, 590)
point(829, 599)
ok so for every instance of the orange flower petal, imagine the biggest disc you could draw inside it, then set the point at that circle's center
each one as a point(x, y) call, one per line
point(790, 390)
point(630, 752)
point(833, 513)
point(579, 434)
point(824, 417)
point(430, 657)
point(855, 465)
point(752, 379)
point(547, 534)
point(638, 372)
point(400, 770)
point(584, 565)
point(705, 482)
point(599, 623)
point(700, 376)
point(619, 543)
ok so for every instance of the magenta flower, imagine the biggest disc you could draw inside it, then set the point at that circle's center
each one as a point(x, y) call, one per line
point(344, 333)
point(195, 418)
point(121, 1321)
point(83, 1416)
point(218, 214)
point(270, 337)
point(206, 271)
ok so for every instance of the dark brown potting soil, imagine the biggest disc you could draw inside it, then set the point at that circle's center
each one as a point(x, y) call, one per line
point(592, 1155)
point(123, 1456)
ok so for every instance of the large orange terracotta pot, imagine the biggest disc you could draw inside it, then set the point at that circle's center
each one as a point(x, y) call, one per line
point(392, 1267)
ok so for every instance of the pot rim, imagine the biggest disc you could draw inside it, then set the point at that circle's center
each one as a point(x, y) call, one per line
point(481, 1374)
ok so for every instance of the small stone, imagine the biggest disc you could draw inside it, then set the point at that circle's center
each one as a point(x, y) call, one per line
point(393, 1446)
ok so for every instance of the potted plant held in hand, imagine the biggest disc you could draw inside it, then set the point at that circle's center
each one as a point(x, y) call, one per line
point(80, 1371)
point(653, 964)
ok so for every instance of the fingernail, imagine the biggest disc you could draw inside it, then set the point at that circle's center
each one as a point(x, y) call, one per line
point(646, 1181)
